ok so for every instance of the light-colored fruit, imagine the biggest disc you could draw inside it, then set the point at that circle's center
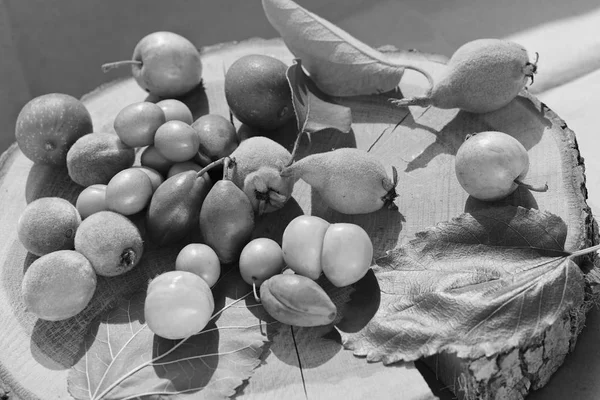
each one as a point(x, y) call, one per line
point(110, 241)
point(482, 75)
point(218, 137)
point(260, 259)
point(178, 304)
point(155, 177)
point(48, 224)
point(97, 157)
point(91, 200)
point(137, 123)
point(201, 260)
point(165, 64)
point(226, 220)
point(302, 244)
point(48, 125)
point(349, 180)
point(152, 158)
point(176, 141)
point(488, 163)
point(129, 191)
point(258, 165)
point(58, 285)
point(297, 300)
point(258, 93)
point(347, 253)
point(176, 110)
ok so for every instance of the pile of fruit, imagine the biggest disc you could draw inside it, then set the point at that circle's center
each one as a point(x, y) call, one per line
point(201, 175)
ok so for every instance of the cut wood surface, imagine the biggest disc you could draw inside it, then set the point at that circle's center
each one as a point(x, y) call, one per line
point(420, 142)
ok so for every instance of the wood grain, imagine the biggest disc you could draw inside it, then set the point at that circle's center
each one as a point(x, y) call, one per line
point(419, 142)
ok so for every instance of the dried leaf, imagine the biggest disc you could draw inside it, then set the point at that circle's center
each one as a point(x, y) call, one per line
point(477, 285)
point(339, 64)
point(124, 360)
point(313, 111)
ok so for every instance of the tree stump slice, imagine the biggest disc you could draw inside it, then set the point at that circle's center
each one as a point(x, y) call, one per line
point(421, 143)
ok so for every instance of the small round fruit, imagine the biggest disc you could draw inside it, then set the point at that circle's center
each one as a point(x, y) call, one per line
point(137, 123)
point(48, 125)
point(200, 259)
point(260, 259)
point(91, 200)
point(178, 304)
point(302, 243)
point(176, 141)
point(347, 253)
point(48, 224)
point(129, 191)
point(218, 137)
point(170, 64)
point(178, 168)
point(488, 163)
point(58, 285)
point(110, 241)
point(155, 177)
point(258, 93)
point(151, 158)
point(176, 110)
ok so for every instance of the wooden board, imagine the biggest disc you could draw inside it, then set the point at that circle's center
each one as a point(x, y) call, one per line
point(419, 142)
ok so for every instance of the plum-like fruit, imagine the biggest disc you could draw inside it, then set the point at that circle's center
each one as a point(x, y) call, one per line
point(302, 244)
point(137, 123)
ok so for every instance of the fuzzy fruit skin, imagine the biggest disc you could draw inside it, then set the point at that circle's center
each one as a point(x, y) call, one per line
point(258, 165)
point(97, 157)
point(350, 181)
point(226, 220)
point(347, 253)
point(48, 224)
point(48, 125)
point(482, 76)
point(302, 245)
point(258, 93)
point(170, 67)
point(488, 163)
point(297, 300)
point(58, 285)
point(110, 241)
point(178, 304)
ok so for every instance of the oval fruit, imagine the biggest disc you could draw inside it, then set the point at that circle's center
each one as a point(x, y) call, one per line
point(58, 285)
point(176, 110)
point(152, 158)
point(258, 93)
point(129, 191)
point(259, 260)
point(297, 300)
point(91, 200)
point(48, 125)
point(218, 137)
point(155, 177)
point(178, 304)
point(176, 141)
point(48, 224)
point(137, 123)
point(201, 260)
point(347, 253)
point(302, 244)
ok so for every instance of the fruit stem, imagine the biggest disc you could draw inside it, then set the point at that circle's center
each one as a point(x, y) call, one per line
point(422, 101)
point(227, 165)
point(255, 293)
point(531, 187)
point(108, 66)
point(220, 161)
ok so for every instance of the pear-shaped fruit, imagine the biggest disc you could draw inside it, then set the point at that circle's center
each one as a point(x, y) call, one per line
point(175, 205)
point(226, 220)
point(349, 180)
point(258, 165)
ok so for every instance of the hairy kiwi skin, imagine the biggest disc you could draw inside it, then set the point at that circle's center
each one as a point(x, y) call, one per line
point(350, 181)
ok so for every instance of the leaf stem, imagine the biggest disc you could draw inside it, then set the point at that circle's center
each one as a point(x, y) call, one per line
point(587, 250)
